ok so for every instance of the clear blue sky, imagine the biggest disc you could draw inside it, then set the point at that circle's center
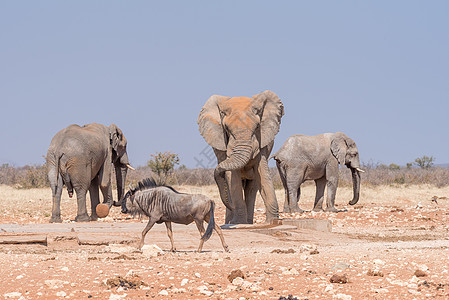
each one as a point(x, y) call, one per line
point(376, 70)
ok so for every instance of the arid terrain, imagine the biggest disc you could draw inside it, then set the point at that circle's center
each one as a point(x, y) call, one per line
point(394, 244)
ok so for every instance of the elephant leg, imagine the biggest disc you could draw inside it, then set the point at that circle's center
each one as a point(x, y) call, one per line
point(170, 236)
point(332, 184)
point(200, 226)
point(282, 175)
point(267, 190)
point(229, 213)
point(294, 190)
point(94, 198)
point(319, 195)
point(104, 179)
point(81, 215)
point(251, 188)
point(56, 209)
point(239, 214)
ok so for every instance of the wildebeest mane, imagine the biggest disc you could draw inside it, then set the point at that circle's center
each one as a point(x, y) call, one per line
point(150, 183)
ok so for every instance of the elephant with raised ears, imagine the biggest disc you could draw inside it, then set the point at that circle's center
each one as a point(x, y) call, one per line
point(241, 131)
point(317, 157)
point(82, 158)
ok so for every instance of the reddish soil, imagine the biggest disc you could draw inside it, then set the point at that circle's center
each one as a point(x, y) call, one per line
point(395, 251)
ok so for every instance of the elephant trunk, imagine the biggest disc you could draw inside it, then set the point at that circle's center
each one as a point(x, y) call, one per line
point(356, 185)
point(241, 154)
point(121, 169)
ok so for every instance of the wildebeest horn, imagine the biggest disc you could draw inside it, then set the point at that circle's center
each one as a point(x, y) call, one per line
point(129, 167)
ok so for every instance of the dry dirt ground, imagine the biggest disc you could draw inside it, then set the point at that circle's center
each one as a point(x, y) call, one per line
point(392, 245)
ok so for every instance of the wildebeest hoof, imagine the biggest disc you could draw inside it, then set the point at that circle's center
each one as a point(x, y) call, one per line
point(55, 220)
point(94, 218)
point(227, 249)
point(173, 250)
point(82, 218)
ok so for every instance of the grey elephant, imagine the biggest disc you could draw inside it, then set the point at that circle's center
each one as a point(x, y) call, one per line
point(82, 158)
point(304, 157)
point(241, 131)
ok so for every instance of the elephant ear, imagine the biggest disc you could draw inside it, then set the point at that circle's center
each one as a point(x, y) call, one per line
point(339, 147)
point(209, 122)
point(116, 137)
point(271, 110)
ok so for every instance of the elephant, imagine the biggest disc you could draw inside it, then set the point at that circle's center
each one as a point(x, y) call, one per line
point(82, 159)
point(317, 157)
point(241, 131)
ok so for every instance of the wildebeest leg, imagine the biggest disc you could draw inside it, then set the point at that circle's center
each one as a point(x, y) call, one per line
point(199, 225)
point(170, 235)
point(220, 234)
point(150, 225)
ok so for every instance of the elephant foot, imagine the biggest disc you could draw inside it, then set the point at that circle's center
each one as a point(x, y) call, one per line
point(331, 209)
point(55, 220)
point(317, 209)
point(82, 218)
point(297, 210)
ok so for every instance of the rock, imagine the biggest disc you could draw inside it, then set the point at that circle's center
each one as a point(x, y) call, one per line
point(163, 293)
point(234, 274)
point(61, 294)
point(65, 269)
point(13, 295)
point(237, 281)
point(375, 273)
point(54, 283)
point(152, 251)
point(184, 282)
point(120, 249)
point(342, 297)
point(197, 275)
point(419, 273)
point(339, 279)
point(378, 262)
point(279, 251)
point(341, 266)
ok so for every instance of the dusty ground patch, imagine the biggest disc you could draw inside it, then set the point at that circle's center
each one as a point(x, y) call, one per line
point(394, 231)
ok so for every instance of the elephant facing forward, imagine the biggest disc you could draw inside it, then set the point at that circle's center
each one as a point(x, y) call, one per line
point(82, 159)
point(241, 131)
point(304, 157)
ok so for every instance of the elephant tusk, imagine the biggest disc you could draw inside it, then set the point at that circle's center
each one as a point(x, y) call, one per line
point(360, 170)
point(129, 167)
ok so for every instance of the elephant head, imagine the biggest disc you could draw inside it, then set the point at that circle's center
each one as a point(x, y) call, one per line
point(346, 153)
point(241, 126)
point(119, 159)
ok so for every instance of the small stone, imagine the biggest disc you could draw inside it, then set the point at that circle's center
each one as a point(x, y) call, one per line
point(234, 274)
point(342, 297)
point(13, 295)
point(184, 282)
point(197, 275)
point(65, 269)
point(375, 273)
point(237, 281)
point(61, 294)
point(152, 251)
point(163, 293)
point(19, 277)
point(339, 279)
point(379, 262)
point(419, 273)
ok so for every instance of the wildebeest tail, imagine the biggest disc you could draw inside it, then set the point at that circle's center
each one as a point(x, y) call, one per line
point(211, 225)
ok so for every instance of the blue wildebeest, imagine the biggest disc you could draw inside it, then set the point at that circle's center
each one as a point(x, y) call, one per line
point(165, 204)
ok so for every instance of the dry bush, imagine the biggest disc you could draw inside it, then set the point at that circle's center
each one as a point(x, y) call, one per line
point(437, 176)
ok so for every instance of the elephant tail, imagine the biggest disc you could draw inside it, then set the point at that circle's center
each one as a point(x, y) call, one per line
point(65, 175)
point(211, 225)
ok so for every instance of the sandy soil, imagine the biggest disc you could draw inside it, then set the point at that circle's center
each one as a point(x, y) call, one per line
point(392, 245)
